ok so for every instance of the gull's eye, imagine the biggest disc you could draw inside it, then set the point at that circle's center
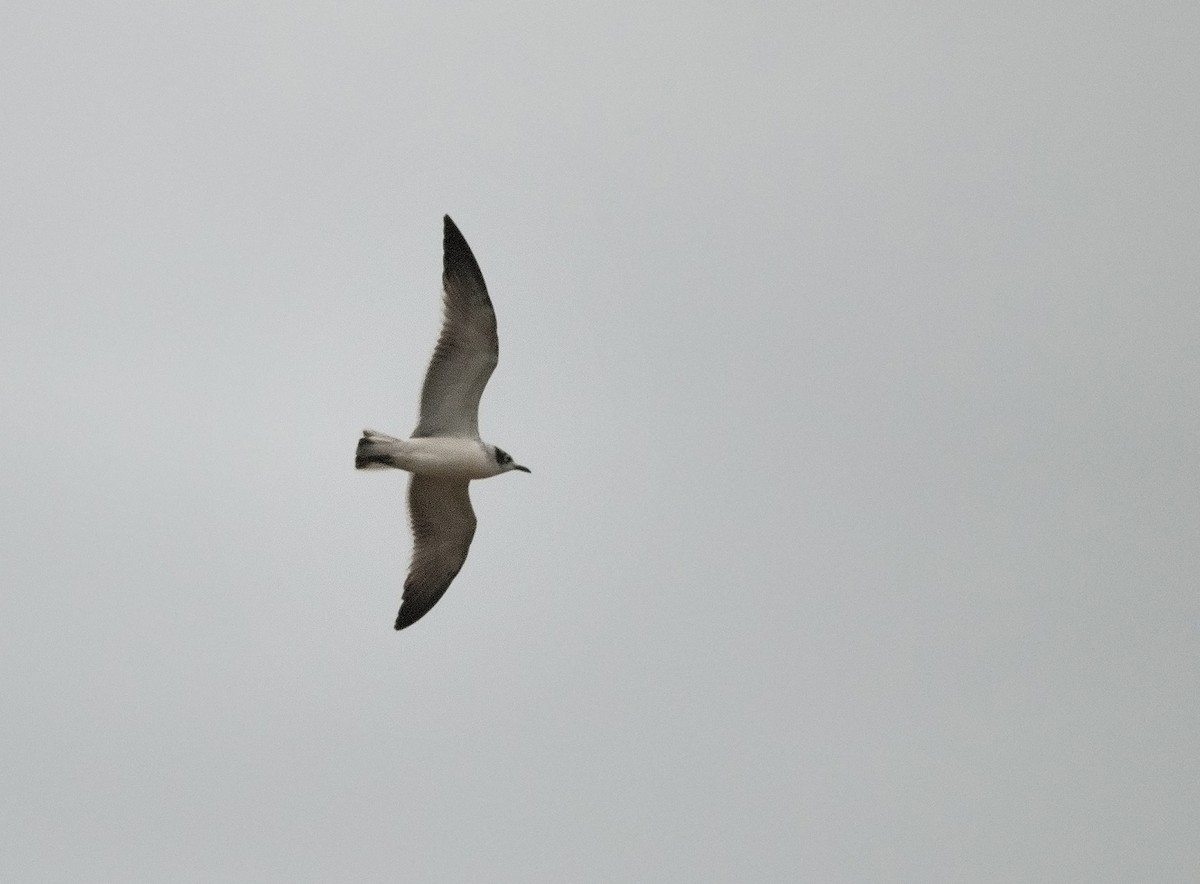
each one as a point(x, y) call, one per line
point(502, 458)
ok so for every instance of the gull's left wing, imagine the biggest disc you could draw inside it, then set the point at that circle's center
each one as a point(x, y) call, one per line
point(443, 525)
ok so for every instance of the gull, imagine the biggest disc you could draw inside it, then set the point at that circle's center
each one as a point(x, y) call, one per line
point(445, 452)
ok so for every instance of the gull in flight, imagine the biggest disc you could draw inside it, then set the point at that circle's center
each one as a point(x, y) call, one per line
point(445, 452)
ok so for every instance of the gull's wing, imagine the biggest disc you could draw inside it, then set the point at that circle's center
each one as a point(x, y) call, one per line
point(443, 524)
point(467, 349)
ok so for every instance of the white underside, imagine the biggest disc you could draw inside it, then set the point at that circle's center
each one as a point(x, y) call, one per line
point(445, 457)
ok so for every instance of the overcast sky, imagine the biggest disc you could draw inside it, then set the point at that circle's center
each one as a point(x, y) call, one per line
point(854, 349)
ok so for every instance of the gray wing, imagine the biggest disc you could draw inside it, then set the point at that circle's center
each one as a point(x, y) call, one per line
point(467, 349)
point(443, 524)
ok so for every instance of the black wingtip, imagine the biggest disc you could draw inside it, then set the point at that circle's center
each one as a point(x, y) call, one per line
point(407, 618)
point(457, 258)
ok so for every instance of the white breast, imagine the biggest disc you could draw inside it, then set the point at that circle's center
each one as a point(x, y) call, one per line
point(448, 457)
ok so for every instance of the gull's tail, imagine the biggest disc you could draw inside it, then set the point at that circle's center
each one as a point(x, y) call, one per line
point(375, 451)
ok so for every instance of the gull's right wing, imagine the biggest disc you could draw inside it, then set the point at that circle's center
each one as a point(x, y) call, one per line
point(467, 349)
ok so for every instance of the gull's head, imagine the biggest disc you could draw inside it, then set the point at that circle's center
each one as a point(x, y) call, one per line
point(505, 462)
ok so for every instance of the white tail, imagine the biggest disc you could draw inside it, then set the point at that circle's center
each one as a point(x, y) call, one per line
point(375, 451)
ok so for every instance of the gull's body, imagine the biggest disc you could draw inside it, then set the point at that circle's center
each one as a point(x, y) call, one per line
point(445, 452)
point(446, 457)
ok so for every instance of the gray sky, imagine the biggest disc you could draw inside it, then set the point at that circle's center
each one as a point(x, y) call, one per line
point(854, 350)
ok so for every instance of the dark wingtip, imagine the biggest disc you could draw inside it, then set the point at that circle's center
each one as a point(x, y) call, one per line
point(457, 258)
point(408, 616)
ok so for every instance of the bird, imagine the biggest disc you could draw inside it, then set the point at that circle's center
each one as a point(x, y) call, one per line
point(445, 452)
